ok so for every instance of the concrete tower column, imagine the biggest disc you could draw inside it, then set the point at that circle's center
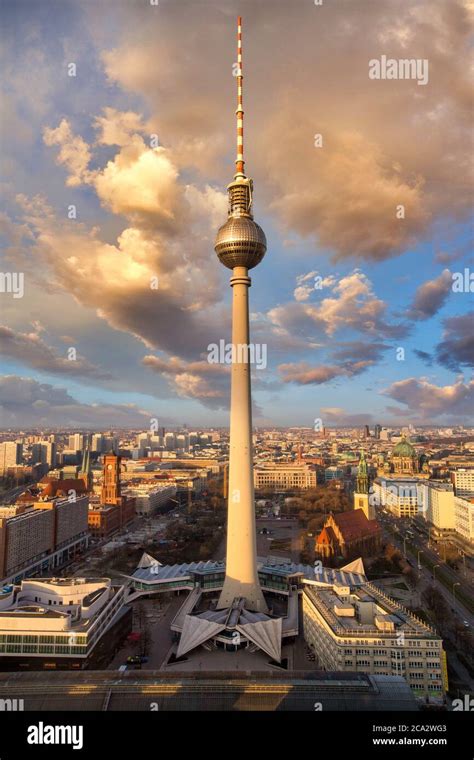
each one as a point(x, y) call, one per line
point(240, 246)
point(241, 578)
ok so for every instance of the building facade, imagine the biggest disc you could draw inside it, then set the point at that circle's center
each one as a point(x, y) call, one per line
point(58, 623)
point(42, 537)
point(464, 519)
point(286, 477)
point(362, 630)
point(463, 481)
point(436, 504)
point(399, 495)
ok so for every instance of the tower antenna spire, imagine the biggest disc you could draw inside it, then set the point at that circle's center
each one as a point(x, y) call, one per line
point(239, 163)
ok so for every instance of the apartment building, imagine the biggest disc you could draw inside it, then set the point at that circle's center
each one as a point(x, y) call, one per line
point(42, 536)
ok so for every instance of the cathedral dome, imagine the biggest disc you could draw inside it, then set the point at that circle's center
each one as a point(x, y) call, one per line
point(404, 449)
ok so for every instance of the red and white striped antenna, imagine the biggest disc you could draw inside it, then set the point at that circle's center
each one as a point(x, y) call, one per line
point(239, 163)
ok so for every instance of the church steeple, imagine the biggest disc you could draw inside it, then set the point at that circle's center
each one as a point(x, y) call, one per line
point(362, 475)
point(86, 472)
point(361, 495)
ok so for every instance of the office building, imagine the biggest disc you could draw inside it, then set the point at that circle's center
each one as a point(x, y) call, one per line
point(284, 477)
point(360, 629)
point(399, 495)
point(464, 519)
point(463, 481)
point(436, 504)
point(61, 623)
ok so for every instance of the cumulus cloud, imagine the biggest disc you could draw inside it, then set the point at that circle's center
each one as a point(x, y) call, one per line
point(306, 283)
point(74, 152)
point(27, 403)
point(345, 193)
point(158, 270)
point(209, 383)
point(431, 296)
point(425, 400)
point(352, 305)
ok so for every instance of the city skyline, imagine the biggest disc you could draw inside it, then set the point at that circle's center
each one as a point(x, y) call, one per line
point(96, 120)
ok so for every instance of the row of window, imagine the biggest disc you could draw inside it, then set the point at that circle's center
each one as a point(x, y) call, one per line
point(49, 639)
point(41, 649)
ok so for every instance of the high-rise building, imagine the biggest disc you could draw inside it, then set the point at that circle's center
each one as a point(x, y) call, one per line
point(97, 443)
point(44, 452)
point(240, 246)
point(76, 442)
point(45, 535)
point(377, 431)
point(110, 444)
point(11, 454)
point(169, 441)
point(182, 441)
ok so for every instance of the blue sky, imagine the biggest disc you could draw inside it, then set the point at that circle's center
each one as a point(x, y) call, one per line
point(145, 211)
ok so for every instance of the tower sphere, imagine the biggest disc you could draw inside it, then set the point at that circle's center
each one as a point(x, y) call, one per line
point(240, 242)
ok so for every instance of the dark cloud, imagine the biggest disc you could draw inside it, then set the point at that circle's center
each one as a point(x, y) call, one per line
point(424, 356)
point(25, 402)
point(355, 349)
point(31, 350)
point(430, 297)
point(304, 374)
point(456, 350)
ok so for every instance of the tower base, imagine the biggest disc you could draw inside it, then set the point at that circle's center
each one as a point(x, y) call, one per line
point(251, 592)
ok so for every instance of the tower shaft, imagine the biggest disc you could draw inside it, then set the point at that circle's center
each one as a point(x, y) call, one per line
point(240, 246)
point(241, 579)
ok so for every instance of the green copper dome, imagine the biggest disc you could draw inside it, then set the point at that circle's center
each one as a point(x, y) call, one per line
point(404, 449)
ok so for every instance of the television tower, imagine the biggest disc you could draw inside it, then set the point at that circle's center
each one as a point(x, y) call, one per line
point(240, 246)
